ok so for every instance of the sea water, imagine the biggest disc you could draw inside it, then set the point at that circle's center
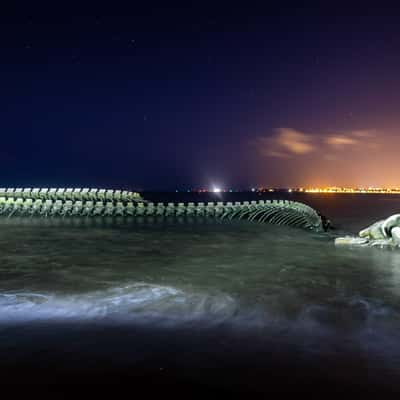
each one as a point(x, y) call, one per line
point(81, 295)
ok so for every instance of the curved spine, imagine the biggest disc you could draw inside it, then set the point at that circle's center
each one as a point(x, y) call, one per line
point(116, 203)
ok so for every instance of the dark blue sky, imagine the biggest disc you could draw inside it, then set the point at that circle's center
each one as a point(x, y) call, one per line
point(162, 97)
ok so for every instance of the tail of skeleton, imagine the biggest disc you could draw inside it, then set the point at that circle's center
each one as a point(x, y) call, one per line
point(101, 202)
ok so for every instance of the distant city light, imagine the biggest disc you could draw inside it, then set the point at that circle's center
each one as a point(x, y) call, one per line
point(328, 189)
point(334, 189)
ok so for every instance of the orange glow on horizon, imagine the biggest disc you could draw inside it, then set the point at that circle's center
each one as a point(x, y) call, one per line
point(335, 189)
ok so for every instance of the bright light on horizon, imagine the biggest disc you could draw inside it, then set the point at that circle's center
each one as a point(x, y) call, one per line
point(216, 190)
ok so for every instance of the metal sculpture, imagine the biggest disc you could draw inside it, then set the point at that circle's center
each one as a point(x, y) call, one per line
point(101, 202)
point(383, 234)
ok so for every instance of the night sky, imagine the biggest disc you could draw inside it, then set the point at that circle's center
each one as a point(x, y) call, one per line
point(166, 98)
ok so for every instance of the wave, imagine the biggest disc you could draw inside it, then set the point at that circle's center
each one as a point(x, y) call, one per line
point(125, 303)
point(345, 323)
point(141, 299)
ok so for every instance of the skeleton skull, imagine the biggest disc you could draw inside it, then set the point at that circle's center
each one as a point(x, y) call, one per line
point(384, 233)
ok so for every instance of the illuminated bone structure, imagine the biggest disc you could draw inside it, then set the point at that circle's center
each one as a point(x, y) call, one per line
point(383, 234)
point(70, 194)
point(114, 203)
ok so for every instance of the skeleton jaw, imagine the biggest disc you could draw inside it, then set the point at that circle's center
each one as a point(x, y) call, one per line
point(381, 234)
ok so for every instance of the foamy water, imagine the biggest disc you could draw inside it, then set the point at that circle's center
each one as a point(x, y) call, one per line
point(134, 303)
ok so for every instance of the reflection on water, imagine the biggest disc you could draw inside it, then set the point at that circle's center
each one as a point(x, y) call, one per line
point(265, 281)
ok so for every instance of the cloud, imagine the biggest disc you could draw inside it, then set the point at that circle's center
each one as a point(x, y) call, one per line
point(285, 143)
point(341, 140)
point(366, 157)
point(351, 138)
point(289, 142)
point(295, 141)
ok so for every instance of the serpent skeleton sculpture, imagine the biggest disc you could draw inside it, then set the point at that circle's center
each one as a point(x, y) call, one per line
point(101, 202)
point(77, 202)
point(382, 234)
